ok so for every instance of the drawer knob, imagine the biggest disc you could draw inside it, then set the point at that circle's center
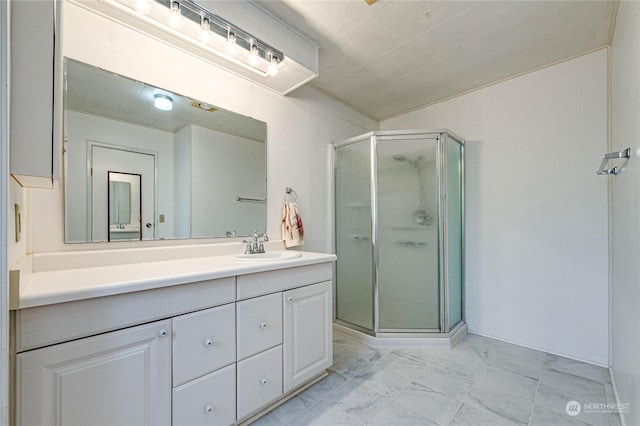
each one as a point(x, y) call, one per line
point(289, 299)
point(208, 342)
point(208, 409)
point(263, 381)
point(163, 332)
point(263, 325)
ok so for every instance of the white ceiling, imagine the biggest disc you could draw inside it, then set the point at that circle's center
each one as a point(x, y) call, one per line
point(399, 55)
point(98, 92)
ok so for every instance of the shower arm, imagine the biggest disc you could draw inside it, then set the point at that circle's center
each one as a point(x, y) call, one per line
point(626, 153)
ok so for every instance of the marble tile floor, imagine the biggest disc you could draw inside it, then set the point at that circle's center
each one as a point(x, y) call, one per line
point(480, 381)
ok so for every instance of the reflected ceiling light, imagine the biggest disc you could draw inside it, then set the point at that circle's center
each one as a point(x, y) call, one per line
point(195, 24)
point(174, 16)
point(163, 102)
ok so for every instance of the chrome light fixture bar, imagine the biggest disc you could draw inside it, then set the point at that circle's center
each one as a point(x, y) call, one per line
point(196, 24)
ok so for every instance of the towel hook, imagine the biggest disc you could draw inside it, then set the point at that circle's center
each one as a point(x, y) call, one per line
point(292, 193)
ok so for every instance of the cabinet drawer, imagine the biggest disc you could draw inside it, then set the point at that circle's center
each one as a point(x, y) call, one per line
point(259, 381)
point(203, 341)
point(260, 283)
point(209, 400)
point(259, 324)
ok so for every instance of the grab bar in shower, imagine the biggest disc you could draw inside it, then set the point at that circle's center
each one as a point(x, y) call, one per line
point(625, 153)
point(406, 243)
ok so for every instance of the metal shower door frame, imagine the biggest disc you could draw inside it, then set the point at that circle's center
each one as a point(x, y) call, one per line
point(441, 136)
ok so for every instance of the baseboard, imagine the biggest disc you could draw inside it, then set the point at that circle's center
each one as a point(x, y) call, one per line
point(539, 349)
point(616, 395)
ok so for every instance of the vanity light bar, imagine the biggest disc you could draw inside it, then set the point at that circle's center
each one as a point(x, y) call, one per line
point(196, 24)
point(223, 27)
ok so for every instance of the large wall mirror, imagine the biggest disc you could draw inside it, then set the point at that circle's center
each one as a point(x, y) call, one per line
point(141, 162)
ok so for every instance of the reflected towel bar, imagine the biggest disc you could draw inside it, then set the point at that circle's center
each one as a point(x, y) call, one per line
point(626, 153)
point(251, 200)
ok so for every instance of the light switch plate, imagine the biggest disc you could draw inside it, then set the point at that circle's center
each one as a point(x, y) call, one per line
point(161, 218)
point(18, 222)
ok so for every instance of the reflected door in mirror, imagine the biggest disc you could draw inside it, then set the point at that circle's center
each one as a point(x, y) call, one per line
point(138, 169)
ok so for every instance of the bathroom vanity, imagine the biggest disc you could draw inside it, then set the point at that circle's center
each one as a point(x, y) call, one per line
point(206, 340)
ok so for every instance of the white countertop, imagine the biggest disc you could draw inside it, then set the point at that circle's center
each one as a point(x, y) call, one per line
point(59, 286)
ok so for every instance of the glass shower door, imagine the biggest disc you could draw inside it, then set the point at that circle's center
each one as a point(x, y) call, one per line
point(408, 249)
point(354, 294)
point(455, 212)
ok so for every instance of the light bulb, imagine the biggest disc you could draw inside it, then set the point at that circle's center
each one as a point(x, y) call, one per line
point(174, 16)
point(205, 30)
point(231, 47)
point(163, 102)
point(272, 69)
point(142, 6)
point(254, 56)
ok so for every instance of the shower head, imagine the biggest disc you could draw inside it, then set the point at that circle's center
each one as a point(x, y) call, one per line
point(413, 162)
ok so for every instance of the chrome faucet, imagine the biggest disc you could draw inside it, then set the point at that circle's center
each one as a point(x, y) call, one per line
point(257, 245)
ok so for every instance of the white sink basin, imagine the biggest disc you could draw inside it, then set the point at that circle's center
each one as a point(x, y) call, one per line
point(271, 255)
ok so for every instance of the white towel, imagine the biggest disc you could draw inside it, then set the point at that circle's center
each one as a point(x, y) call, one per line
point(292, 228)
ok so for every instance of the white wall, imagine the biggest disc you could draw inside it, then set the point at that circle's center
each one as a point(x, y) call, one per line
point(81, 128)
point(536, 213)
point(625, 205)
point(299, 126)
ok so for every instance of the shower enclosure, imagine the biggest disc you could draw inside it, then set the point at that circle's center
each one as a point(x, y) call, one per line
point(399, 233)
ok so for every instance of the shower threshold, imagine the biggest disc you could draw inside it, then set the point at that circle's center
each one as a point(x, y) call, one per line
point(424, 340)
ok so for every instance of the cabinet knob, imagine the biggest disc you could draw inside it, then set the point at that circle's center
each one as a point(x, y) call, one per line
point(208, 342)
point(263, 381)
point(263, 325)
point(163, 332)
point(208, 409)
point(289, 299)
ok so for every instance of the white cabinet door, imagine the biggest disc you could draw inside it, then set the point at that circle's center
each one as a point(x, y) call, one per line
point(118, 378)
point(307, 342)
point(35, 88)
